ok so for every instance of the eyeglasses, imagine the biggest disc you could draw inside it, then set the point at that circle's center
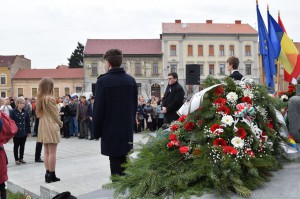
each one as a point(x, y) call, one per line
point(169, 78)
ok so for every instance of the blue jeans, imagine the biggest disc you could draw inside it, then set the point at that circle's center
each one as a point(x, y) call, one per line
point(73, 126)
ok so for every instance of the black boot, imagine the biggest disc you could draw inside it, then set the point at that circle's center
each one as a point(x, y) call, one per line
point(46, 176)
point(51, 177)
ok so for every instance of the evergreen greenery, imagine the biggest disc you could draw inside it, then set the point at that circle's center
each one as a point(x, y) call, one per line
point(76, 59)
point(193, 159)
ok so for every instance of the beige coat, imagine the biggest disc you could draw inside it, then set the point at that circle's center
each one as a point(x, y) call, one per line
point(50, 123)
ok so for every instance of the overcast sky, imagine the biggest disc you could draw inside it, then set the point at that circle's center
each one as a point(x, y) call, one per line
point(47, 31)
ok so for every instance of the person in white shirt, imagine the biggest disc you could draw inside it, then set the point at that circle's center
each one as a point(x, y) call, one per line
point(5, 105)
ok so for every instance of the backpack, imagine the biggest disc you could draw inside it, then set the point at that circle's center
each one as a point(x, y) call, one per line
point(9, 128)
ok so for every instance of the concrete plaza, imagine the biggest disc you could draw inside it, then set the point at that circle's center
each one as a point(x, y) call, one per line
point(83, 171)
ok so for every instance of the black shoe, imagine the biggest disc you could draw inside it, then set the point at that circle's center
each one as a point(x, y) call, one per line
point(96, 139)
point(51, 177)
point(91, 138)
point(80, 137)
point(39, 160)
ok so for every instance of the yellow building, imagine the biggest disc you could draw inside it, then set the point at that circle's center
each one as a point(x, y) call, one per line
point(9, 65)
point(66, 81)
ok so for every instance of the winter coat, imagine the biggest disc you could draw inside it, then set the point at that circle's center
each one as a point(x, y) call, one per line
point(49, 122)
point(114, 112)
point(22, 121)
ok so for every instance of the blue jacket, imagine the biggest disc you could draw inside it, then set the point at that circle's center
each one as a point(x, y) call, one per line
point(22, 121)
point(114, 112)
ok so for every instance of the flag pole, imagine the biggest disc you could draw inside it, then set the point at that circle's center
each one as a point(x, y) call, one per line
point(262, 79)
point(278, 77)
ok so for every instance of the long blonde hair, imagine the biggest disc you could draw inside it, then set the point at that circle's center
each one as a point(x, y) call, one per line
point(45, 88)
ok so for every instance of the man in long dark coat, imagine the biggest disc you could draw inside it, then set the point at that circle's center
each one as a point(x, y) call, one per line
point(173, 99)
point(114, 111)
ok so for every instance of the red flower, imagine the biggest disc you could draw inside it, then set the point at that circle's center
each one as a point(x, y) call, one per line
point(247, 100)
point(250, 153)
point(184, 149)
point(200, 122)
point(189, 126)
point(229, 150)
point(182, 118)
point(176, 143)
point(170, 144)
point(174, 127)
point(281, 93)
point(215, 127)
point(224, 109)
point(220, 102)
point(241, 133)
point(172, 137)
point(220, 142)
point(263, 136)
point(291, 88)
point(219, 91)
point(271, 126)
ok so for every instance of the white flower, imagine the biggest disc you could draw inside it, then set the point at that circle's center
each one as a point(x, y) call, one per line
point(237, 142)
point(227, 120)
point(248, 93)
point(232, 97)
point(284, 97)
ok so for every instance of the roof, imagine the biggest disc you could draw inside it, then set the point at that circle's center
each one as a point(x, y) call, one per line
point(128, 46)
point(7, 60)
point(61, 73)
point(208, 28)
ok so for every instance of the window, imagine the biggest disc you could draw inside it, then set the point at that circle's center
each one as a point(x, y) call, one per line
point(231, 50)
point(200, 50)
point(247, 50)
point(78, 89)
point(67, 90)
point(190, 50)
point(155, 68)
point(248, 69)
point(139, 87)
point(173, 68)
point(211, 69)
point(3, 79)
point(138, 70)
point(222, 69)
point(221, 50)
point(211, 50)
point(94, 69)
point(20, 92)
point(173, 50)
point(34, 92)
point(3, 94)
point(56, 92)
point(201, 69)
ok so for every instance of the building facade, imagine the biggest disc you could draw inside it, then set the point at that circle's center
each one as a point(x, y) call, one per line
point(209, 45)
point(66, 81)
point(142, 59)
point(9, 65)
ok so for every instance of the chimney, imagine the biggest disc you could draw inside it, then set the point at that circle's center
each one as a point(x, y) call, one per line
point(238, 21)
point(178, 21)
point(209, 21)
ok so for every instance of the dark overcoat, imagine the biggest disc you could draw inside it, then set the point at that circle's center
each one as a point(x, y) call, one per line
point(236, 75)
point(173, 99)
point(114, 112)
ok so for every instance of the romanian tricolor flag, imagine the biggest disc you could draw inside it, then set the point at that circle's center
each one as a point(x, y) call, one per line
point(292, 142)
point(285, 49)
